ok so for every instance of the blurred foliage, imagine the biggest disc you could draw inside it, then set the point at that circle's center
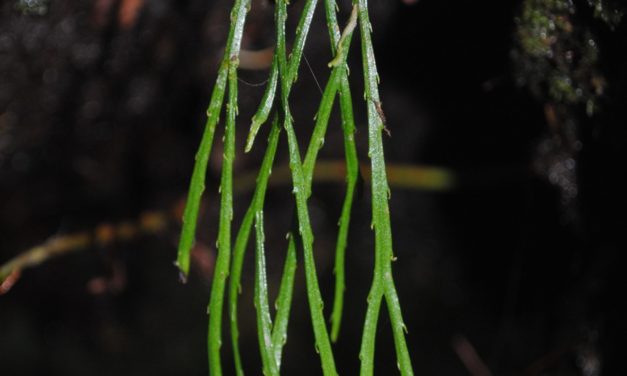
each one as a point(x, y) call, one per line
point(555, 55)
point(32, 7)
point(610, 11)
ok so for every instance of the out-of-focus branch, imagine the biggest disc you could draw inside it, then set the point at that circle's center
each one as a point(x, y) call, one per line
point(469, 357)
point(400, 176)
point(54, 246)
point(102, 235)
point(330, 171)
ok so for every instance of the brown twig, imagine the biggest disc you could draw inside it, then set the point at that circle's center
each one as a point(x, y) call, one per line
point(102, 235)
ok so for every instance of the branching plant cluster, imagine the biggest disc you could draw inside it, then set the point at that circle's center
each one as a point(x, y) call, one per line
point(275, 105)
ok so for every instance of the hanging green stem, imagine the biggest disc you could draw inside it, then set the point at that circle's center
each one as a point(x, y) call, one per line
point(284, 301)
point(398, 325)
point(302, 30)
point(338, 79)
point(375, 296)
point(350, 152)
point(323, 345)
point(285, 292)
point(214, 340)
point(326, 104)
point(197, 184)
point(263, 111)
point(264, 322)
point(320, 128)
point(382, 281)
point(243, 234)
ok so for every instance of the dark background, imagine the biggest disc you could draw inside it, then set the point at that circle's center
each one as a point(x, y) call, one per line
point(101, 111)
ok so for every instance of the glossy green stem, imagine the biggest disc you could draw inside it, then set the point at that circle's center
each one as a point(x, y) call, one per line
point(284, 301)
point(243, 235)
point(264, 322)
point(352, 162)
point(197, 183)
point(263, 111)
point(222, 266)
point(302, 30)
point(322, 345)
point(383, 283)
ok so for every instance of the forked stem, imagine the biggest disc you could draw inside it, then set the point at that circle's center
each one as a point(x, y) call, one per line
point(383, 283)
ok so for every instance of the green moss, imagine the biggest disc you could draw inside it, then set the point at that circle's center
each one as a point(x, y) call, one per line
point(555, 54)
point(32, 7)
point(562, 90)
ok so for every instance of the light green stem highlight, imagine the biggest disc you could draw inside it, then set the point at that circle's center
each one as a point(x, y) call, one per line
point(243, 235)
point(322, 345)
point(221, 272)
point(350, 151)
point(197, 183)
point(264, 322)
point(383, 283)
